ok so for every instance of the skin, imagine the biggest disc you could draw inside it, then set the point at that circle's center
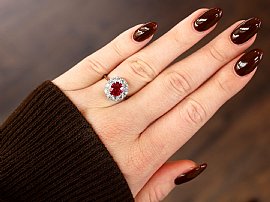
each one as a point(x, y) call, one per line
point(168, 103)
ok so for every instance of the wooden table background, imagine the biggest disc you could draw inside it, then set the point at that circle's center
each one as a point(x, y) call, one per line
point(41, 39)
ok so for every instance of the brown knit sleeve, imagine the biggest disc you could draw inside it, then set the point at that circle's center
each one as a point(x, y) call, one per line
point(49, 152)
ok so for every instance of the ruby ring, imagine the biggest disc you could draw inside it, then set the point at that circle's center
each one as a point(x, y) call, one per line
point(116, 88)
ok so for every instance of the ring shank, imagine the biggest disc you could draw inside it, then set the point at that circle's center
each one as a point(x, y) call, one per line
point(105, 76)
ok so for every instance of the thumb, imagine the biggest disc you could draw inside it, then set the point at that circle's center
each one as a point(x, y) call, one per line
point(166, 177)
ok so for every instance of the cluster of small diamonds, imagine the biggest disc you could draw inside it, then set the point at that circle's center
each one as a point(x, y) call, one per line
point(108, 89)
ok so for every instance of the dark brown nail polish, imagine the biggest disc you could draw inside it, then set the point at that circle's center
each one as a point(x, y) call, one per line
point(246, 30)
point(145, 31)
point(208, 19)
point(190, 174)
point(248, 62)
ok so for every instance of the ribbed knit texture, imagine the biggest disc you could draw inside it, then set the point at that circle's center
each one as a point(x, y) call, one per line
point(49, 152)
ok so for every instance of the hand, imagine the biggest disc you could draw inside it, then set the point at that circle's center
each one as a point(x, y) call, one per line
point(167, 103)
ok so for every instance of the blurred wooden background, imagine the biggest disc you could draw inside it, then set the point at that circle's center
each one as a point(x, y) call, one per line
point(41, 39)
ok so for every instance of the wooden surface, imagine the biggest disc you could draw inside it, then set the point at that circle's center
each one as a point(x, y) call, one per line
point(41, 39)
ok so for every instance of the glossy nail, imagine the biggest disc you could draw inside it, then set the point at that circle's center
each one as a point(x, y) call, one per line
point(208, 19)
point(248, 62)
point(246, 30)
point(190, 174)
point(145, 31)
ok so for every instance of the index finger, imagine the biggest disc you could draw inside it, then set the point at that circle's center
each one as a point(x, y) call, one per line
point(92, 68)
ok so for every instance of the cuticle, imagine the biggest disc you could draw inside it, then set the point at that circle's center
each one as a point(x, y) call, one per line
point(139, 42)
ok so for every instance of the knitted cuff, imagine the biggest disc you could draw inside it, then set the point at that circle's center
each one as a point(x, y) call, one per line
point(49, 152)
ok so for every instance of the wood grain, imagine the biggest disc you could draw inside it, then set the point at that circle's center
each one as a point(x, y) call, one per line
point(41, 39)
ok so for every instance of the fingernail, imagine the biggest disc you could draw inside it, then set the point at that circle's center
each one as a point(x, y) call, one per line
point(183, 178)
point(145, 31)
point(246, 30)
point(208, 19)
point(248, 62)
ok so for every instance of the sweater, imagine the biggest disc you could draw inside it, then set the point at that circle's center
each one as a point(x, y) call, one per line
point(49, 152)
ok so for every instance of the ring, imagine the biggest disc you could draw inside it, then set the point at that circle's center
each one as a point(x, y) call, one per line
point(116, 88)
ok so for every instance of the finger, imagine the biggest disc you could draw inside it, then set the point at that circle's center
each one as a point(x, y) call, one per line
point(145, 65)
point(182, 78)
point(175, 128)
point(92, 68)
point(163, 181)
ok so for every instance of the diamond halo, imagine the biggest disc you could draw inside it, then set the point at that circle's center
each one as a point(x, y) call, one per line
point(116, 89)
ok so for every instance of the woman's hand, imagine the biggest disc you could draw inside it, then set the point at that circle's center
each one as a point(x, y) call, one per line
point(167, 103)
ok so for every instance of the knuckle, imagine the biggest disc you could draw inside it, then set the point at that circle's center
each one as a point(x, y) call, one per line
point(93, 65)
point(156, 194)
point(118, 49)
point(217, 53)
point(178, 34)
point(179, 83)
point(142, 69)
point(224, 84)
point(194, 112)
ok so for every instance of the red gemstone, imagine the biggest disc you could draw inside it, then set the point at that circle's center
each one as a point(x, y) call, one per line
point(116, 89)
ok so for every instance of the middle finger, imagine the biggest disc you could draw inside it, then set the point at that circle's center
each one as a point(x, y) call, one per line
point(145, 65)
